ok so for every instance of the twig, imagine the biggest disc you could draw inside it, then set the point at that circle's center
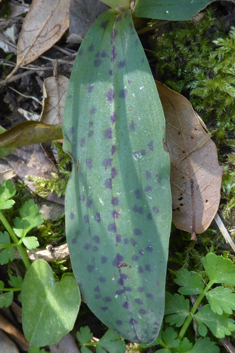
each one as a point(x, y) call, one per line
point(16, 335)
point(49, 254)
point(224, 231)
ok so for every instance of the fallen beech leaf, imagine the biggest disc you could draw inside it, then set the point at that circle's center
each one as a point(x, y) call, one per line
point(29, 133)
point(54, 93)
point(43, 26)
point(195, 173)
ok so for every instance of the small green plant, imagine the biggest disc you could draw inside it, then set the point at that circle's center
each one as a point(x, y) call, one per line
point(110, 342)
point(215, 313)
point(43, 300)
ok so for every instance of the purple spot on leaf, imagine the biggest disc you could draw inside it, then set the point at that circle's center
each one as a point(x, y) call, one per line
point(118, 238)
point(115, 214)
point(107, 162)
point(97, 217)
point(136, 42)
point(128, 289)
point(117, 260)
point(137, 231)
point(132, 126)
point(90, 133)
point(108, 133)
point(113, 172)
point(71, 215)
point(113, 118)
point(126, 305)
point(96, 239)
point(82, 198)
point(104, 259)
point(71, 130)
point(89, 203)
point(121, 64)
point(112, 227)
point(155, 209)
point(151, 146)
point(93, 111)
point(142, 312)
point(114, 54)
point(140, 269)
point(74, 241)
point(91, 123)
point(82, 142)
point(111, 72)
point(147, 268)
point(137, 209)
point(133, 322)
point(115, 201)
point(108, 183)
point(138, 193)
point(86, 218)
point(123, 93)
point(80, 52)
point(97, 62)
point(138, 301)
point(89, 163)
point(133, 242)
point(91, 47)
point(104, 308)
point(87, 246)
point(135, 257)
point(97, 55)
point(90, 268)
point(102, 279)
point(149, 295)
point(107, 299)
point(119, 322)
point(97, 296)
point(140, 289)
point(143, 152)
point(126, 241)
point(149, 216)
point(103, 54)
point(113, 149)
point(96, 289)
point(110, 95)
point(148, 188)
point(119, 292)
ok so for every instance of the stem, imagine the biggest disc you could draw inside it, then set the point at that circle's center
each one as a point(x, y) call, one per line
point(11, 289)
point(20, 247)
point(194, 309)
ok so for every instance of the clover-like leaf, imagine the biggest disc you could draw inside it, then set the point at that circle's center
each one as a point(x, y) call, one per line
point(16, 282)
point(190, 282)
point(219, 269)
point(204, 345)
point(31, 242)
point(7, 254)
point(7, 191)
point(6, 299)
point(170, 338)
point(220, 325)
point(47, 304)
point(184, 346)
point(221, 300)
point(30, 218)
point(84, 335)
point(110, 342)
point(177, 307)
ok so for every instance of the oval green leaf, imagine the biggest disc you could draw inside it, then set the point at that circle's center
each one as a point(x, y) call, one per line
point(118, 199)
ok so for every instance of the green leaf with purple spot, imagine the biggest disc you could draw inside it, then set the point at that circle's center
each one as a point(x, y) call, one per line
point(118, 199)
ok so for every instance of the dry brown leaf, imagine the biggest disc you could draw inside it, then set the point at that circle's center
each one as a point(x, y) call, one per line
point(195, 173)
point(43, 26)
point(54, 93)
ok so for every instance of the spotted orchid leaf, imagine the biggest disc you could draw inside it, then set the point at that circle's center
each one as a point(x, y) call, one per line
point(118, 200)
